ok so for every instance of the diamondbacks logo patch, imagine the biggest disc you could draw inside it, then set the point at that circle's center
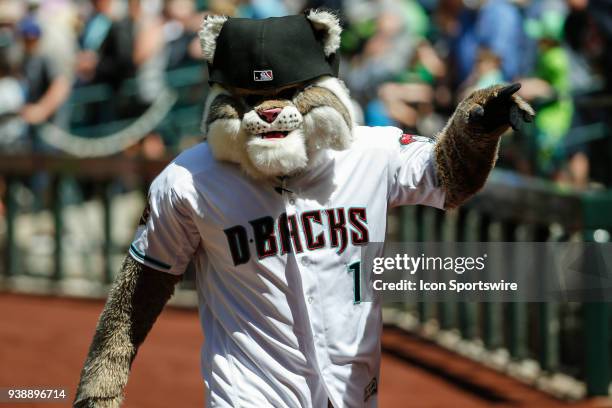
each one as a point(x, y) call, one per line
point(265, 75)
point(407, 138)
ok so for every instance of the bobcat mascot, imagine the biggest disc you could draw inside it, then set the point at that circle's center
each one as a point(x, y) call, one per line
point(272, 210)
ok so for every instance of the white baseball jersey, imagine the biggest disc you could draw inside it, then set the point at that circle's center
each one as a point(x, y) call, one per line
point(277, 266)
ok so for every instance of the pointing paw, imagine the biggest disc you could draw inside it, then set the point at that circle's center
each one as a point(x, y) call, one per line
point(497, 106)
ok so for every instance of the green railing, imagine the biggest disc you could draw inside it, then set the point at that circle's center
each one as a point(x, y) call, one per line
point(103, 178)
point(572, 339)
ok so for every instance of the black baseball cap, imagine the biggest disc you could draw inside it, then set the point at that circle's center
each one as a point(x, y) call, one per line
point(269, 53)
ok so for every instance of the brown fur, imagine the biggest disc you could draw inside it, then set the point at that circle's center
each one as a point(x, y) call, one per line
point(224, 107)
point(315, 96)
point(227, 107)
point(272, 103)
point(134, 302)
point(466, 149)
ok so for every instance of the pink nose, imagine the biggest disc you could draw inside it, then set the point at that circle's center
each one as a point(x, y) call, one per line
point(269, 115)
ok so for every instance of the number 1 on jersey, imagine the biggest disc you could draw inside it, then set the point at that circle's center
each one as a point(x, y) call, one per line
point(355, 268)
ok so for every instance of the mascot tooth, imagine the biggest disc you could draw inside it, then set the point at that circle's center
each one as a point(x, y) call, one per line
point(273, 210)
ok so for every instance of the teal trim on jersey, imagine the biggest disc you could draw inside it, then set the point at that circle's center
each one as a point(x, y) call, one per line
point(142, 257)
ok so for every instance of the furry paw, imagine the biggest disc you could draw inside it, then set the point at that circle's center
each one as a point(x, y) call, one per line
point(497, 106)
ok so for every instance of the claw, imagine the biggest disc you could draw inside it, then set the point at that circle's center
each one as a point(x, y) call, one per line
point(514, 118)
point(507, 91)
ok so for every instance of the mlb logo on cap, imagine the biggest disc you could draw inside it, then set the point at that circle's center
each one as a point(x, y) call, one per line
point(265, 75)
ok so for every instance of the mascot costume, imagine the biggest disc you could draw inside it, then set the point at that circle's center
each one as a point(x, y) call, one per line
point(272, 210)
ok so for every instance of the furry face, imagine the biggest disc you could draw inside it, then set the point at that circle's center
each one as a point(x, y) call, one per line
point(278, 133)
point(277, 130)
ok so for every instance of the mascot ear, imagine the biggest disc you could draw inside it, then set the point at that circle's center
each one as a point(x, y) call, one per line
point(327, 25)
point(209, 32)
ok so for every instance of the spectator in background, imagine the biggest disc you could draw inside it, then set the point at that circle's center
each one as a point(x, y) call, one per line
point(181, 26)
point(46, 87)
point(549, 90)
point(588, 32)
point(58, 19)
point(163, 42)
point(601, 12)
point(492, 24)
point(409, 100)
point(387, 50)
point(11, 97)
point(106, 57)
point(585, 46)
point(94, 64)
point(149, 56)
point(487, 72)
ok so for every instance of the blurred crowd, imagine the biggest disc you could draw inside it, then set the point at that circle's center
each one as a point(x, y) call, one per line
point(406, 62)
point(411, 61)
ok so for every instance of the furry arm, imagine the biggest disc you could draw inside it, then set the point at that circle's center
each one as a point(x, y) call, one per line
point(134, 302)
point(466, 149)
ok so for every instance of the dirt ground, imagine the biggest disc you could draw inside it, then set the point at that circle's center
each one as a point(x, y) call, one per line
point(44, 340)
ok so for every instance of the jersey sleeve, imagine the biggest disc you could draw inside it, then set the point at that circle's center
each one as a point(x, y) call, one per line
point(412, 172)
point(167, 237)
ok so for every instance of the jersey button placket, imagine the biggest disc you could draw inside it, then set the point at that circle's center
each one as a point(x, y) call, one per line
point(317, 316)
point(290, 203)
point(292, 199)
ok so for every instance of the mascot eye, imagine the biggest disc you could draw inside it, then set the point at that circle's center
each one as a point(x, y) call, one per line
point(253, 100)
point(288, 93)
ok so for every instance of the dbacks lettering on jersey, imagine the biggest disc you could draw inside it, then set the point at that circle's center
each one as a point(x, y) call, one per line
point(276, 237)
